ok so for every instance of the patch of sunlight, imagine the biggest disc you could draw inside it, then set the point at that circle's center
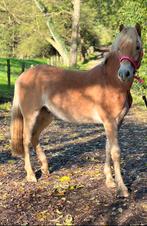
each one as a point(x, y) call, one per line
point(2, 137)
point(5, 106)
point(144, 205)
point(68, 220)
point(43, 215)
point(79, 140)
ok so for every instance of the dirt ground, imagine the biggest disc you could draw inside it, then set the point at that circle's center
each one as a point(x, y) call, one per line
point(75, 193)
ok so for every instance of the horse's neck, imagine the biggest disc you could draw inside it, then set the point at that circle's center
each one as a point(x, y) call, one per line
point(101, 76)
point(96, 73)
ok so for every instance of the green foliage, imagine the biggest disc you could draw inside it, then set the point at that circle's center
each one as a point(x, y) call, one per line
point(88, 24)
point(24, 33)
point(132, 12)
point(32, 47)
point(104, 34)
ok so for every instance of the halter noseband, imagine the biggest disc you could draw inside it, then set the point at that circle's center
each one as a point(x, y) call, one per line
point(135, 63)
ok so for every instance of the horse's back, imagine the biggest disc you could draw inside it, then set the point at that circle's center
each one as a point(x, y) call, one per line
point(39, 71)
point(43, 74)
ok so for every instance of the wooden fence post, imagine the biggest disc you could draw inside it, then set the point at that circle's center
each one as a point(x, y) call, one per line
point(8, 72)
point(22, 67)
point(55, 60)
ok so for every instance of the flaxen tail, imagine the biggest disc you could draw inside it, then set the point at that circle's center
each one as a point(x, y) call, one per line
point(16, 127)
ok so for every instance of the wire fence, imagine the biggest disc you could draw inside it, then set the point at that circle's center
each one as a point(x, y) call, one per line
point(15, 66)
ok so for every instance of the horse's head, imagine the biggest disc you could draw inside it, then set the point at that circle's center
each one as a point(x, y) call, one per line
point(129, 48)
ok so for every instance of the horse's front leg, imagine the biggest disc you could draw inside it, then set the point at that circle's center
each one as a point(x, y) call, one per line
point(111, 129)
point(107, 168)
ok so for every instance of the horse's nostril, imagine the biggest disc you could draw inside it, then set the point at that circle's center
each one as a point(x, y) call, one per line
point(124, 74)
point(127, 74)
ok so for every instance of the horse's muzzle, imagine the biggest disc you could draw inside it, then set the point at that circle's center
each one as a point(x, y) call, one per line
point(125, 72)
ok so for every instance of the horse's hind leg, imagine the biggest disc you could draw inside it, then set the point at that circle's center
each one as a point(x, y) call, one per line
point(29, 122)
point(43, 120)
point(111, 129)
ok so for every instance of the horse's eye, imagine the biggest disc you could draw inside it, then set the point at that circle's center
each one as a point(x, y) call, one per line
point(137, 47)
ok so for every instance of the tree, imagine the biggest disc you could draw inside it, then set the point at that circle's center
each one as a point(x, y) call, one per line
point(30, 31)
point(75, 32)
point(55, 39)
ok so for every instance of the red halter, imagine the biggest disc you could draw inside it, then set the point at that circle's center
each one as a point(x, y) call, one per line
point(135, 63)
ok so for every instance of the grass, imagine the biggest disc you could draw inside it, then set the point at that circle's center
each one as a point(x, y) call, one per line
point(16, 69)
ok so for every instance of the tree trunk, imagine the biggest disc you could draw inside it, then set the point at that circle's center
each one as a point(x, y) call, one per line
point(55, 40)
point(75, 32)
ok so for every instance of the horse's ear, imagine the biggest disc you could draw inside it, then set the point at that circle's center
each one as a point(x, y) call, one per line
point(121, 27)
point(138, 28)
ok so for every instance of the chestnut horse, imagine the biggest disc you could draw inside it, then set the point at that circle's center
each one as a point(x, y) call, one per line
point(100, 95)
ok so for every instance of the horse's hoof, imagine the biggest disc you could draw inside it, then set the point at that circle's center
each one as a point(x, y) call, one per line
point(123, 193)
point(110, 184)
point(31, 178)
point(45, 176)
point(126, 193)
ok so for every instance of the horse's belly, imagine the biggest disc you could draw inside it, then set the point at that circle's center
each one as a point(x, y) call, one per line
point(74, 115)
